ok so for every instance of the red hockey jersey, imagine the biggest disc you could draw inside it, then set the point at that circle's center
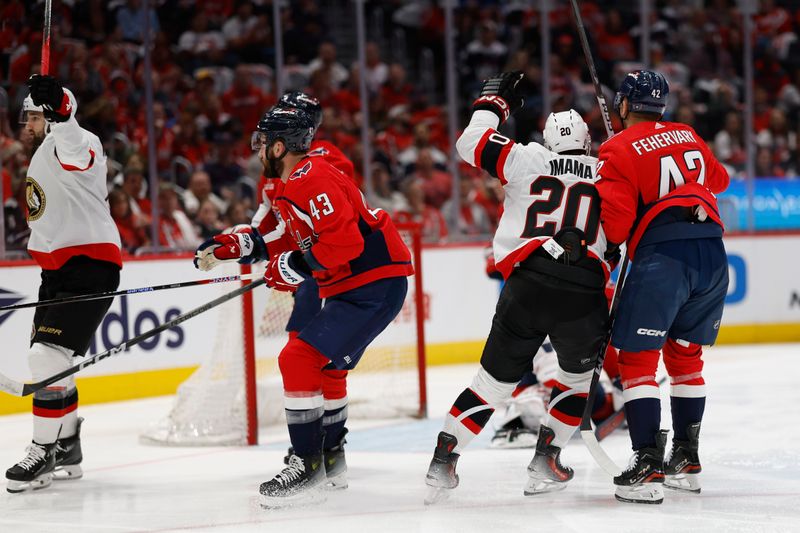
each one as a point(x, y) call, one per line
point(650, 167)
point(346, 243)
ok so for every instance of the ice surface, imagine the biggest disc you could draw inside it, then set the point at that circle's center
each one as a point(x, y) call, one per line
point(749, 449)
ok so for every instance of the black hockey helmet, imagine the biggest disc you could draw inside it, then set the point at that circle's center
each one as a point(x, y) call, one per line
point(304, 102)
point(291, 125)
point(646, 91)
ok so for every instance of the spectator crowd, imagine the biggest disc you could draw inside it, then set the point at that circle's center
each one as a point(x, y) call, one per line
point(212, 77)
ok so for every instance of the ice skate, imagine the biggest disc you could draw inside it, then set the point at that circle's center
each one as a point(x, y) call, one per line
point(35, 471)
point(442, 478)
point(641, 481)
point(511, 438)
point(302, 482)
point(69, 456)
point(545, 472)
point(336, 466)
point(682, 468)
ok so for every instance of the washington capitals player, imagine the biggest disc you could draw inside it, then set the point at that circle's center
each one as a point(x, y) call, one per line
point(657, 181)
point(550, 248)
point(307, 302)
point(75, 241)
point(360, 264)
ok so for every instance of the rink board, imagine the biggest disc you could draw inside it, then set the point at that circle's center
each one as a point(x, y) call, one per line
point(763, 306)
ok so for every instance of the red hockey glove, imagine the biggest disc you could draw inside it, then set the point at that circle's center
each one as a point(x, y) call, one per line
point(286, 271)
point(46, 91)
point(240, 243)
point(499, 95)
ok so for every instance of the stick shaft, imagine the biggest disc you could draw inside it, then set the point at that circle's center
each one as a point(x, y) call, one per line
point(601, 100)
point(123, 292)
point(18, 389)
point(48, 6)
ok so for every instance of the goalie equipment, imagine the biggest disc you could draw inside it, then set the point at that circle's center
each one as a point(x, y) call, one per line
point(35, 471)
point(565, 131)
point(641, 481)
point(545, 472)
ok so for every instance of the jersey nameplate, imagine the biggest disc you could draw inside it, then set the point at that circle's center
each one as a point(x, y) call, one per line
point(566, 165)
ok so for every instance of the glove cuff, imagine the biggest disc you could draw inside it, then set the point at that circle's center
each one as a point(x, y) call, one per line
point(495, 104)
point(286, 270)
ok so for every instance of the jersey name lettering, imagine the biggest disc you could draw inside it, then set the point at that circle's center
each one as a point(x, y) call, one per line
point(566, 165)
point(662, 140)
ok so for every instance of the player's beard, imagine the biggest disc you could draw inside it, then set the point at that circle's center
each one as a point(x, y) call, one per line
point(274, 165)
point(36, 142)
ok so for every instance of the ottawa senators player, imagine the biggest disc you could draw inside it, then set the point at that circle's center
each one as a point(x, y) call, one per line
point(360, 264)
point(75, 241)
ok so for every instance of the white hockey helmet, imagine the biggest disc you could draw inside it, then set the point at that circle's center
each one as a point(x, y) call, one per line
point(566, 130)
point(28, 105)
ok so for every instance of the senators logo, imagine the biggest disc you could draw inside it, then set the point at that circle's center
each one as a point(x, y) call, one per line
point(35, 198)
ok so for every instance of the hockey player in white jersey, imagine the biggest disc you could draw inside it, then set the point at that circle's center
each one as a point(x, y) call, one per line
point(76, 243)
point(550, 249)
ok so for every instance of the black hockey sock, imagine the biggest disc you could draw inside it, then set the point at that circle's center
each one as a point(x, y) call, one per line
point(685, 411)
point(305, 430)
point(333, 423)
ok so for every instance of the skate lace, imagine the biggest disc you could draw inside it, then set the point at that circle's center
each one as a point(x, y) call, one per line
point(35, 453)
point(293, 471)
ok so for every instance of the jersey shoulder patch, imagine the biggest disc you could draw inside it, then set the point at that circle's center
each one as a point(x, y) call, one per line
point(302, 171)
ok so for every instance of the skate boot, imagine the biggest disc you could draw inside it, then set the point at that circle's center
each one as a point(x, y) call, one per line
point(69, 456)
point(35, 471)
point(641, 481)
point(546, 473)
point(335, 465)
point(441, 477)
point(682, 468)
point(302, 482)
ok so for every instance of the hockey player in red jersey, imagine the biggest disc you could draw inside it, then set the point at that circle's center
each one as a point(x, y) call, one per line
point(357, 258)
point(657, 181)
point(549, 247)
point(76, 243)
point(307, 302)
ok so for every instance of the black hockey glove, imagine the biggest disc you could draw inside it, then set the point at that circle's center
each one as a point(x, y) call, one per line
point(46, 91)
point(499, 95)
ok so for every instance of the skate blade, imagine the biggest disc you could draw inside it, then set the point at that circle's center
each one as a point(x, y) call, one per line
point(649, 493)
point(67, 473)
point(337, 483)
point(41, 482)
point(437, 495)
point(542, 485)
point(683, 483)
point(303, 499)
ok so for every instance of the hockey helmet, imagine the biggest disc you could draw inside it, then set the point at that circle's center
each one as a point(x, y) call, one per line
point(293, 126)
point(304, 102)
point(646, 91)
point(565, 131)
point(28, 105)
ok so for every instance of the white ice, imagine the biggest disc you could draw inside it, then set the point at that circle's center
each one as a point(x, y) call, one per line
point(749, 449)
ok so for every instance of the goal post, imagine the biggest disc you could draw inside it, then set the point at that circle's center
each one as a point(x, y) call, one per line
point(237, 389)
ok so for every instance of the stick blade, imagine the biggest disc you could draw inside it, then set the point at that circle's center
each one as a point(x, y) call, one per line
point(602, 458)
point(10, 386)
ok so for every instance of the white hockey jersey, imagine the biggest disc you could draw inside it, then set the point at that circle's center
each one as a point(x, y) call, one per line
point(545, 192)
point(66, 193)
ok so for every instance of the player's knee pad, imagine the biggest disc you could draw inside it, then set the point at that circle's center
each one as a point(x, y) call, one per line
point(638, 368)
point(301, 367)
point(493, 391)
point(45, 359)
point(683, 360)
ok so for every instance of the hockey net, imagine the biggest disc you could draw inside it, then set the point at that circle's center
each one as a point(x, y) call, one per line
point(238, 388)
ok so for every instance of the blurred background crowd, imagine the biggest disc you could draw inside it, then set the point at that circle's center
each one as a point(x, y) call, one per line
point(213, 75)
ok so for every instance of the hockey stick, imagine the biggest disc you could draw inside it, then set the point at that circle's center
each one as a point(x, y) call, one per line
point(48, 7)
point(601, 100)
point(589, 438)
point(24, 389)
point(111, 294)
